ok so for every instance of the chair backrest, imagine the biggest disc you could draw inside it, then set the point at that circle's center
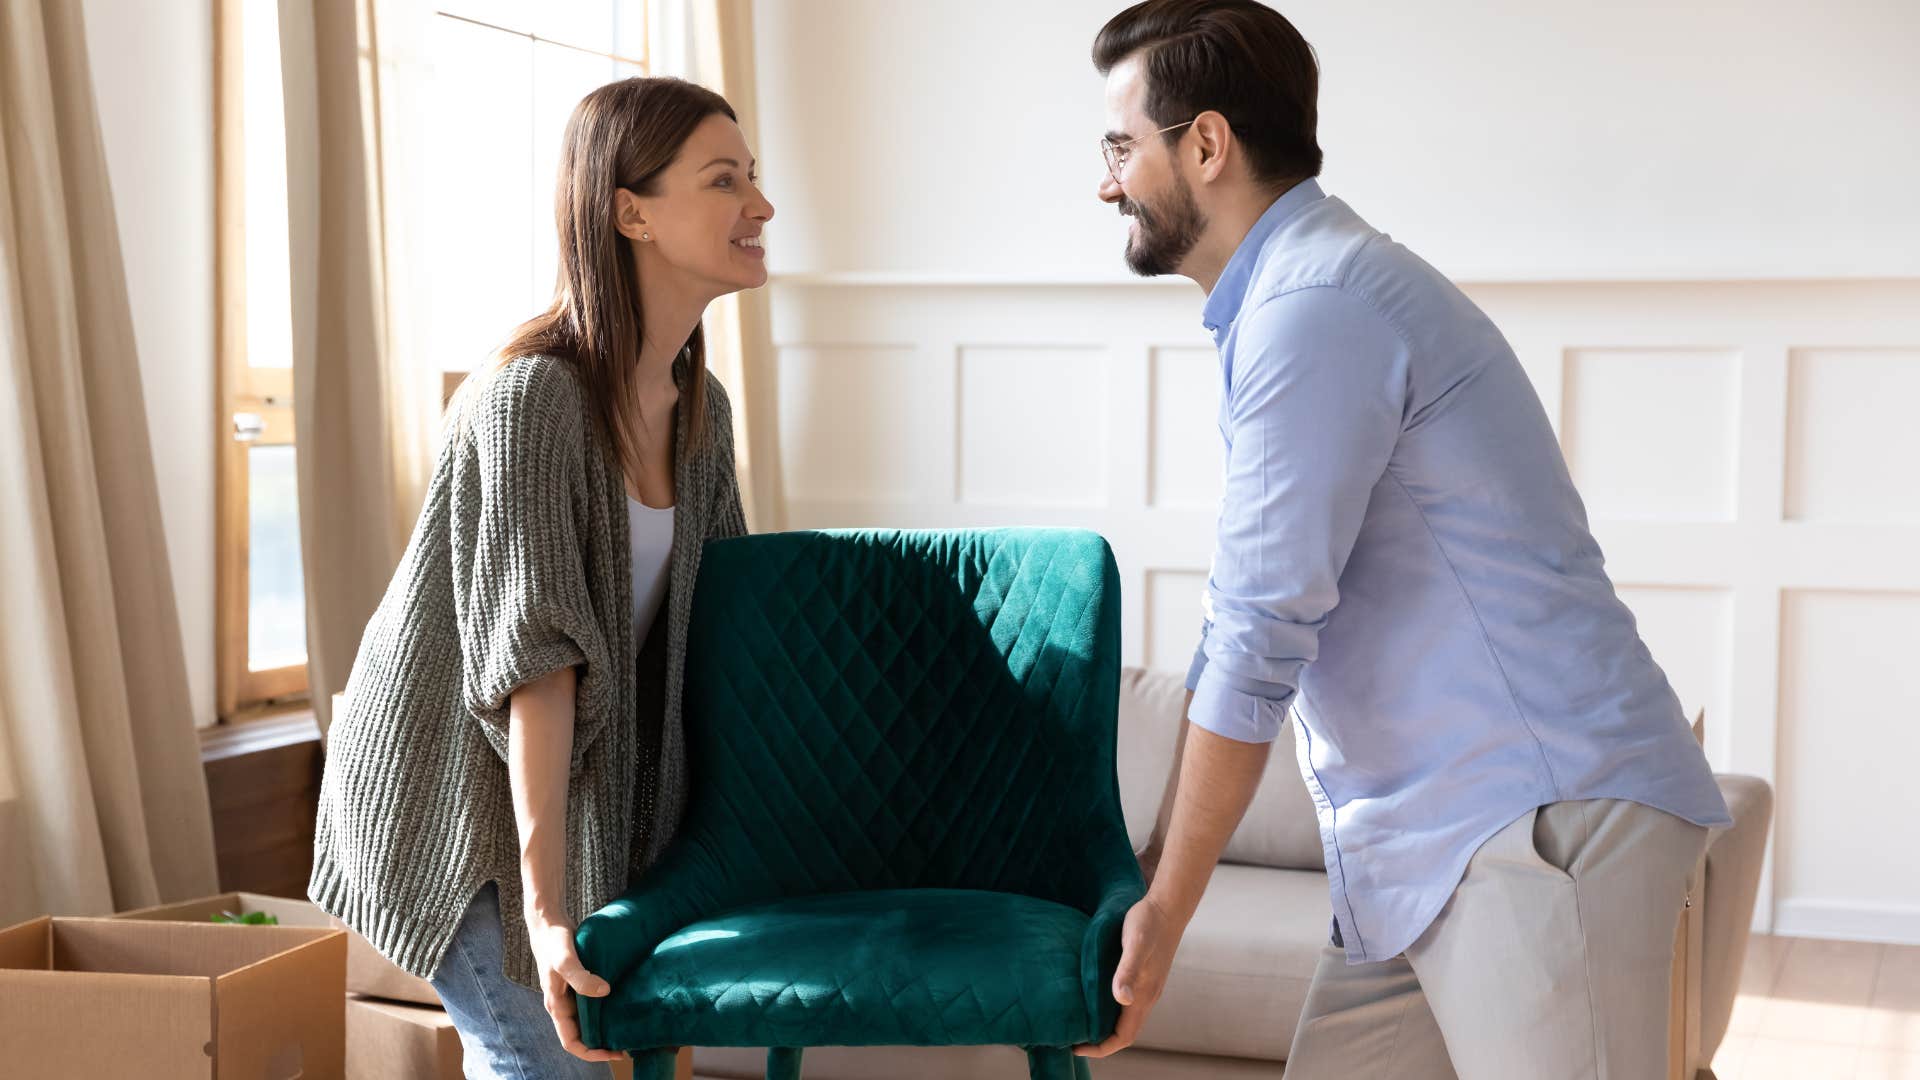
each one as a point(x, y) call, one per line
point(882, 710)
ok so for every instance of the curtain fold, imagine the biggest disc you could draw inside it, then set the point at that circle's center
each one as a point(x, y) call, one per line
point(103, 802)
point(365, 401)
point(711, 42)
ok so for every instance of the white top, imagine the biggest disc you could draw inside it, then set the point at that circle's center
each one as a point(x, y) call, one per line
point(650, 539)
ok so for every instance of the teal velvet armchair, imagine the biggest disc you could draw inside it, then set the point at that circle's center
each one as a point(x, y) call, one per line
point(903, 825)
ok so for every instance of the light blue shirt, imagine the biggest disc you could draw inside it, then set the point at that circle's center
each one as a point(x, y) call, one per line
point(1403, 562)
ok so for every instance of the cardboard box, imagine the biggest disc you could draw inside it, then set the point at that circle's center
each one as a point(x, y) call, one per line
point(290, 912)
point(172, 1001)
point(368, 972)
point(389, 1040)
point(374, 975)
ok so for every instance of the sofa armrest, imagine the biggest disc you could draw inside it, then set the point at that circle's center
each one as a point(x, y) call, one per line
point(1734, 857)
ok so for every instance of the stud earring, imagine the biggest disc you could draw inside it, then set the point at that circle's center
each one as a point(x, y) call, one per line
point(646, 236)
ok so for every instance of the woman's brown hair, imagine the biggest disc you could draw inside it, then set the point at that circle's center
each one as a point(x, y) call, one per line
point(620, 136)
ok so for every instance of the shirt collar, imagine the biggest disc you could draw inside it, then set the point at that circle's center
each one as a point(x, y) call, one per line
point(1223, 303)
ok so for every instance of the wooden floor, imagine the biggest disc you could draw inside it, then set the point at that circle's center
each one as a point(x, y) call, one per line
point(1825, 1010)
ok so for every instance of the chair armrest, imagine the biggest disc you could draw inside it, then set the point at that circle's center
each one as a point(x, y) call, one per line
point(1121, 887)
point(687, 884)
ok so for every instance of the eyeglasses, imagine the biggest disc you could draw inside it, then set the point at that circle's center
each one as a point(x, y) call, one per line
point(1117, 151)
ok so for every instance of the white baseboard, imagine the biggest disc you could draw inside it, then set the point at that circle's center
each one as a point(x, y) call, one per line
point(1892, 924)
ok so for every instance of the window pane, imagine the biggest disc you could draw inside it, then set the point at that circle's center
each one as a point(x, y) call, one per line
point(561, 77)
point(480, 244)
point(630, 32)
point(585, 23)
point(590, 24)
point(512, 14)
point(264, 139)
point(276, 594)
point(500, 104)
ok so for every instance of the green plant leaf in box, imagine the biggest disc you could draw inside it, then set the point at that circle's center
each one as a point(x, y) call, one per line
point(251, 918)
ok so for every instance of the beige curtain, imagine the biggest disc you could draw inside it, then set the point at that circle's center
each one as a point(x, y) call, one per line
point(103, 804)
point(365, 404)
point(718, 53)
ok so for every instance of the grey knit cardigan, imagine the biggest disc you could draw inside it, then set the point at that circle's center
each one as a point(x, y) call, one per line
point(519, 566)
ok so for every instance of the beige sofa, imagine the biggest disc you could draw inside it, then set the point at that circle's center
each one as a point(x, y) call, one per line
point(1234, 996)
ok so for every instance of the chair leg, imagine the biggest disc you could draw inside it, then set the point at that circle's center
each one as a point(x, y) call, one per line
point(654, 1064)
point(783, 1063)
point(1050, 1063)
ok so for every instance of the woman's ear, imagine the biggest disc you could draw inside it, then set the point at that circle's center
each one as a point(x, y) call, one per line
point(627, 217)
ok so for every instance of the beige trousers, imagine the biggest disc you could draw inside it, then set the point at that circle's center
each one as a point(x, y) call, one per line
point(1550, 962)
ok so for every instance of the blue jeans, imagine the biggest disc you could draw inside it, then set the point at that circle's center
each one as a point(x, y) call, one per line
point(505, 1032)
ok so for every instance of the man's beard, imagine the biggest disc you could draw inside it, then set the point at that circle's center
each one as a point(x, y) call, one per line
point(1166, 233)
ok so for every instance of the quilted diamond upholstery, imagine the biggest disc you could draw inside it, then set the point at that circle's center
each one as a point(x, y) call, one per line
point(903, 823)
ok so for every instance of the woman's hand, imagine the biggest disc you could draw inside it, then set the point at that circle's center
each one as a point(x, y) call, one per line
point(560, 971)
point(539, 744)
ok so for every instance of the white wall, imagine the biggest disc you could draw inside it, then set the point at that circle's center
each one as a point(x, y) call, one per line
point(949, 309)
point(1505, 139)
point(153, 85)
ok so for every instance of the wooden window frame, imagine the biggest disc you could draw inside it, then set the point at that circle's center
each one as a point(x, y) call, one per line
point(267, 393)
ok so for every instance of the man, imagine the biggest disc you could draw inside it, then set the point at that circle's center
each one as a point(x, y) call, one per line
point(1510, 800)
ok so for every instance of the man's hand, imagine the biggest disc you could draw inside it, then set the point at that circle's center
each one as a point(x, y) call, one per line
point(1218, 778)
point(561, 971)
point(1147, 942)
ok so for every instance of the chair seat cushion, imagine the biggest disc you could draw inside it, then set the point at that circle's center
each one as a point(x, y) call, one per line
point(886, 967)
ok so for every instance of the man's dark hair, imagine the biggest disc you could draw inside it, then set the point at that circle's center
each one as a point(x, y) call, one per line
point(1239, 58)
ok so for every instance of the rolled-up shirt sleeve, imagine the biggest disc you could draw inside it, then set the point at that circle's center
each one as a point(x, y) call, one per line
point(1315, 400)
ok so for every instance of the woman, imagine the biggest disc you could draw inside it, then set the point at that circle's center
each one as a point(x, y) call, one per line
point(511, 752)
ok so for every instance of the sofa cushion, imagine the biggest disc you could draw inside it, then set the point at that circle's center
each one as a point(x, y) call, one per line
point(1280, 829)
point(1241, 975)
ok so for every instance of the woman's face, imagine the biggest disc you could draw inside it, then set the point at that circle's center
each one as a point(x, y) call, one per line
point(703, 220)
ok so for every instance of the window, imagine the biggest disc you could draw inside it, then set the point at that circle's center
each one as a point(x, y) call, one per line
point(261, 608)
point(505, 77)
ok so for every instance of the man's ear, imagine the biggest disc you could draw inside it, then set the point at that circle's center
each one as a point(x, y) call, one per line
point(1213, 143)
point(627, 216)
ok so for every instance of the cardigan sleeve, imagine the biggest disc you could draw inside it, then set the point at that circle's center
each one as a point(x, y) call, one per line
point(525, 607)
point(728, 516)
